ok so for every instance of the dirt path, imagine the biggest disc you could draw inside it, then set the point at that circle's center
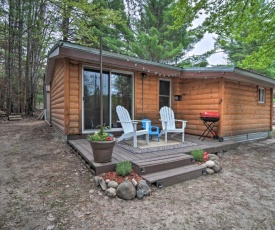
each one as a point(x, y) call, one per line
point(43, 185)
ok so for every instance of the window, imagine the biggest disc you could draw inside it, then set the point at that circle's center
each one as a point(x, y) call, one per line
point(164, 93)
point(261, 95)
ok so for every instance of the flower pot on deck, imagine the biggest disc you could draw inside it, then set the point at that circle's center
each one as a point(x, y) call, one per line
point(102, 150)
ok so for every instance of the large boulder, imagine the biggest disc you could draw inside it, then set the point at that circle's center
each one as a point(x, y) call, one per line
point(142, 185)
point(126, 190)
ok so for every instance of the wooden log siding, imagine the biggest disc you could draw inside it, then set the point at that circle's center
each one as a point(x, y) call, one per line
point(57, 96)
point(242, 113)
point(150, 98)
point(236, 102)
point(74, 95)
point(198, 95)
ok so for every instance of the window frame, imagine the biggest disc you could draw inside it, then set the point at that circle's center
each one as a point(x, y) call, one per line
point(170, 92)
point(261, 95)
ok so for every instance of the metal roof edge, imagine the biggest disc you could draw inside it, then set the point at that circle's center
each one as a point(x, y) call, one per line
point(54, 47)
point(209, 69)
point(228, 69)
point(253, 75)
point(113, 55)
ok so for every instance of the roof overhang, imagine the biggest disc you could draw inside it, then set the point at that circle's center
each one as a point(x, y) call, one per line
point(112, 60)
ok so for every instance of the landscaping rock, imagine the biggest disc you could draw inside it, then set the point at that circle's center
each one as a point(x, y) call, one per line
point(126, 190)
point(217, 168)
point(216, 162)
point(142, 185)
point(111, 192)
point(209, 164)
point(140, 194)
point(213, 156)
point(97, 178)
point(209, 171)
point(112, 184)
point(107, 181)
point(50, 217)
point(102, 184)
point(134, 182)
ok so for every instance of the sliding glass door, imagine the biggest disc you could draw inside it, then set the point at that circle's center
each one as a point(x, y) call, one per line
point(91, 99)
point(117, 90)
point(121, 93)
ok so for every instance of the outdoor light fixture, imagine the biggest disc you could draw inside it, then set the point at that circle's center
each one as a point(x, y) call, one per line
point(144, 75)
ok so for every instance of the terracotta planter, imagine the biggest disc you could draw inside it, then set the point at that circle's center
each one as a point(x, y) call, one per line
point(102, 150)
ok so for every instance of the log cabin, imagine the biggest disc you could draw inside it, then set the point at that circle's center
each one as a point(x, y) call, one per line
point(243, 99)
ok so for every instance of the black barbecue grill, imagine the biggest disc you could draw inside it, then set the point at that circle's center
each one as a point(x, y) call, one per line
point(209, 120)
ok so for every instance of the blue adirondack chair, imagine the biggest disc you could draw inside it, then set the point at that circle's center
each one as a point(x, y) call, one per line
point(153, 130)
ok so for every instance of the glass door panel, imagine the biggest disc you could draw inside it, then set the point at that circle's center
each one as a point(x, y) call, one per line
point(121, 94)
point(91, 97)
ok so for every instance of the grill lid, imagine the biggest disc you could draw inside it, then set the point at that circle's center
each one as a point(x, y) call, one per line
point(210, 115)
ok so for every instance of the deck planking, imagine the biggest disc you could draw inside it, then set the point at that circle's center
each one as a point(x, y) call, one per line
point(82, 146)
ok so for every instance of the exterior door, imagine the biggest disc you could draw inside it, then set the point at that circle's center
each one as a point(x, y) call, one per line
point(117, 90)
point(91, 99)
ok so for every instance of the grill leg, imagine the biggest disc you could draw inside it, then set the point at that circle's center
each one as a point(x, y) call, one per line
point(209, 128)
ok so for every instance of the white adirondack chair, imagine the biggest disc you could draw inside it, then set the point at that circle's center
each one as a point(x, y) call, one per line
point(168, 122)
point(130, 126)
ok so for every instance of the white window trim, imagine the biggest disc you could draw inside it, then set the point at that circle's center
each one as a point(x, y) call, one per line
point(261, 95)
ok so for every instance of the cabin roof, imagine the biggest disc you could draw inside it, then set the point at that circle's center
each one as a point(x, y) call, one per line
point(92, 56)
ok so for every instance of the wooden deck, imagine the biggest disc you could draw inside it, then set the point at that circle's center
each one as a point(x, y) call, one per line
point(83, 148)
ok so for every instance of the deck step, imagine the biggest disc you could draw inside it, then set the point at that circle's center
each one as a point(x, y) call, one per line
point(160, 163)
point(173, 176)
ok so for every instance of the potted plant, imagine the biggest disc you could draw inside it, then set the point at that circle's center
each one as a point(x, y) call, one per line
point(102, 144)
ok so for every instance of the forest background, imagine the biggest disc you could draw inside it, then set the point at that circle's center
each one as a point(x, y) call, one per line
point(156, 30)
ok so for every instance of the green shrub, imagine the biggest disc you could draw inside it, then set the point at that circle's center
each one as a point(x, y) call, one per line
point(197, 154)
point(123, 168)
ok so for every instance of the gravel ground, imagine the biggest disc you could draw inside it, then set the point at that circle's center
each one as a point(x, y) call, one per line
point(44, 185)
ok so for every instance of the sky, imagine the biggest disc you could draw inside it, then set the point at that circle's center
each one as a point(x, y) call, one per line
point(206, 44)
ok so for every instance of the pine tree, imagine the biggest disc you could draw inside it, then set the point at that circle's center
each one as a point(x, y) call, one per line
point(156, 38)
